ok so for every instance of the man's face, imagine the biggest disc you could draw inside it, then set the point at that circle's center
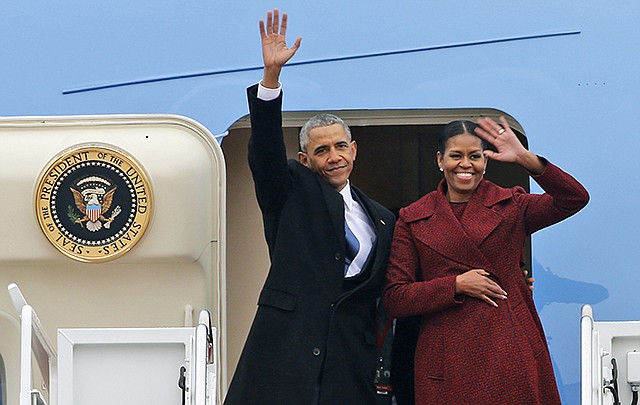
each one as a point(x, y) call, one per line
point(330, 154)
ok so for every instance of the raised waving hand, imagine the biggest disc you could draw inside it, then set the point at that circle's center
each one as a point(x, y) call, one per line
point(275, 52)
point(508, 146)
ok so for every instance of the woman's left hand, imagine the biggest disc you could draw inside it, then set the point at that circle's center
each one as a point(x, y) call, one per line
point(508, 146)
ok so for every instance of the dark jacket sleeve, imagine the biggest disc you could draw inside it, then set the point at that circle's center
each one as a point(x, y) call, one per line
point(267, 153)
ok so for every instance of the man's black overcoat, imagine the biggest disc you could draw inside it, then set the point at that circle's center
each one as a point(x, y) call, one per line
point(312, 341)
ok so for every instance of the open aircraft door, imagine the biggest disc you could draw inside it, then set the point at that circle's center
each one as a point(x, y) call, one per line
point(114, 228)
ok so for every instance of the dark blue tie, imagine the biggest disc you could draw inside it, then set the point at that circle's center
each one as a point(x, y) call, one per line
point(353, 246)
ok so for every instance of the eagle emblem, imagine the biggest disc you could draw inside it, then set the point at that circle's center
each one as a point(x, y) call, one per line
point(93, 197)
point(93, 202)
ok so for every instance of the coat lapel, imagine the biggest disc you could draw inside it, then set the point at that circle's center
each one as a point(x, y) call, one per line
point(374, 216)
point(335, 206)
point(379, 225)
point(479, 220)
point(459, 241)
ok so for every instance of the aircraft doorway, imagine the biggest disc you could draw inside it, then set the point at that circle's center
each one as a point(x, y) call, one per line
point(395, 166)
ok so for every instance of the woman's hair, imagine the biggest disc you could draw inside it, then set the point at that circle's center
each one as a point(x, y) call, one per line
point(317, 121)
point(455, 128)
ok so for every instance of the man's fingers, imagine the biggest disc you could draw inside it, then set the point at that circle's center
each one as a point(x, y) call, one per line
point(296, 44)
point(263, 33)
point(283, 26)
point(269, 23)
point(276, 21)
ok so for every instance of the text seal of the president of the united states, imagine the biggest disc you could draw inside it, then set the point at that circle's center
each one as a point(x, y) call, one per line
point(94, 202)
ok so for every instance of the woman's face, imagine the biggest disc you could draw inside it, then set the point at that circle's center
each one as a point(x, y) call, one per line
point(463, 165)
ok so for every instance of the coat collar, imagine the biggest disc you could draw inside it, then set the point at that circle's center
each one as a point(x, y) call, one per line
point(436, 225)
point(487, 194)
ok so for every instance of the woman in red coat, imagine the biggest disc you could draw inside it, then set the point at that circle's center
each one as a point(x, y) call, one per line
point(455, 261)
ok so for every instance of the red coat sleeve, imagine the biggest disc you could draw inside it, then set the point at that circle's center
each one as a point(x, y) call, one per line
point(563, 197)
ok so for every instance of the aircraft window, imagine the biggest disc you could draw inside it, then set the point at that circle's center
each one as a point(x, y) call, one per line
point(3, 383)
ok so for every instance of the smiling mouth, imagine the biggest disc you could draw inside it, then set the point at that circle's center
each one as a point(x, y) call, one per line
point(464, 175)
point(336, 168)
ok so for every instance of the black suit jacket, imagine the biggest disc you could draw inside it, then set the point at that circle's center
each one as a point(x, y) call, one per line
point(313, 341)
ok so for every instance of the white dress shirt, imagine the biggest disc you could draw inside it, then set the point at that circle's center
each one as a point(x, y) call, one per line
point(361, 226)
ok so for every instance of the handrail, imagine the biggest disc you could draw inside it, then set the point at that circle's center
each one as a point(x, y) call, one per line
point(586, 354)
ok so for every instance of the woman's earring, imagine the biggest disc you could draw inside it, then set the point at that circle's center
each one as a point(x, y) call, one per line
point(441, 169)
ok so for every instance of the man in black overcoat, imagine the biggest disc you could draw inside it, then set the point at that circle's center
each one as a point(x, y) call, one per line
point(314, 339)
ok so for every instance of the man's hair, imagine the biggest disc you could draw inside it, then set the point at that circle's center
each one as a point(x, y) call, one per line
point(318, 121)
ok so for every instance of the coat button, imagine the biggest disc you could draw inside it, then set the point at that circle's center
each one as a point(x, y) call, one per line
point(316, 351)
point(338, 256)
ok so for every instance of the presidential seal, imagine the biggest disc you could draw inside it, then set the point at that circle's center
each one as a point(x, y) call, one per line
point(93, 202)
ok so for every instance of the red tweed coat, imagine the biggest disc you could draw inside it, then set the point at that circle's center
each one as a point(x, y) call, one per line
point(469, 352)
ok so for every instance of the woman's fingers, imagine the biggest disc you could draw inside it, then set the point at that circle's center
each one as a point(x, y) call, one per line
point(476, 283)
point(488, 301)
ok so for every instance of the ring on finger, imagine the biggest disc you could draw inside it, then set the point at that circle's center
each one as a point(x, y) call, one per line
point(501, 131)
